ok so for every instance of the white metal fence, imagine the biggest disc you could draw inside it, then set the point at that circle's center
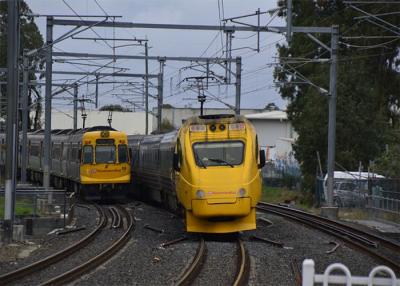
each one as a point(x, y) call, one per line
point(310, 278)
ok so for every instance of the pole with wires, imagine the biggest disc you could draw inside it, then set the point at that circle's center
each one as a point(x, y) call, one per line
point(12, 118)
point(47, 113)
point(238, 84)
point(332, 114)
point(75, 116)
point(146, 85)
point(160, 95)
point(25, 117)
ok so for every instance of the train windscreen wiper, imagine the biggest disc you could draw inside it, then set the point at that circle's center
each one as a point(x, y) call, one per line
point(200, 161)
point(220, 161)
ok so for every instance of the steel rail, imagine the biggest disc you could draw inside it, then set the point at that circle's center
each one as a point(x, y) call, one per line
point(243, 272)
point(118, 219)
point(47, 261)
point(311, 221)
point(113, 217)
point(382, 240)
point(195, 266)
point(324, 225)
point(91, 264)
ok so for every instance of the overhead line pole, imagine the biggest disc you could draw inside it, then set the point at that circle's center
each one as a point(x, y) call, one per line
point(48, 97)
point(12, 118)
point(25, 117)
point(238, 84)
point(160, 95)
point(332, 114)
point(275, 29)
point(75, 115)
point(146, 86)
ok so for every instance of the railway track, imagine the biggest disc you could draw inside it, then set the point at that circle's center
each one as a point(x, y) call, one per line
point(195, 266)
point(118, 214)
point(374, 245)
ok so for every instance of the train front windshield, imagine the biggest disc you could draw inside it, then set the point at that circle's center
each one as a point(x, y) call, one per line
point(227, 153)
point(105, 154)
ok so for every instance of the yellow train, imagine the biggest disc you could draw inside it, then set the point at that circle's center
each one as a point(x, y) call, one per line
point(210, 169)
point(92, 162)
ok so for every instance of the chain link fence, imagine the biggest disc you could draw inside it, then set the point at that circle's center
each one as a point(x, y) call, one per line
point(379, 196)
point(34, 204)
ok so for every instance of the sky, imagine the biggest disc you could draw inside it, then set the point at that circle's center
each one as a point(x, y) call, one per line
point(258, 88)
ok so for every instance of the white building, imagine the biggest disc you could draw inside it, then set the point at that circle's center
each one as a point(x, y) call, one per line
point(129, 122)
point(275, 133)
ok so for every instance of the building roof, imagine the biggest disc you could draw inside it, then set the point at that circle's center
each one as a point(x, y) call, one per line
point(268, 115)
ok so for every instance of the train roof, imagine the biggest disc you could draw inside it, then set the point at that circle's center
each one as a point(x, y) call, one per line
point(72, 131)
point(213, 118)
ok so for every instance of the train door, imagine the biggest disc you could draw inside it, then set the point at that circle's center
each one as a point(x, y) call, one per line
point(41, 155)
point(62, 160)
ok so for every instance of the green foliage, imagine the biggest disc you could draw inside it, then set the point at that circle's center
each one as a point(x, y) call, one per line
point(388, 164)
point(30, 38)
point(114, 107)
point(368, 87)
point(166, 126)
point(23, 207)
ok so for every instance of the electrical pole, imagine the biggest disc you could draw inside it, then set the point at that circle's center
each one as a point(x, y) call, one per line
point(332, 114)
point(97, 91)
point(12, 118)
point(146, 85)
point(160, 95)
point(47, 114)
point(238, 84)
point(25, 117)
point(75, 115)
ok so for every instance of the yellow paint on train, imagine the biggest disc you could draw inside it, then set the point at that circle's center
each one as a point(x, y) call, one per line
point(218, 195)
point(105, 158)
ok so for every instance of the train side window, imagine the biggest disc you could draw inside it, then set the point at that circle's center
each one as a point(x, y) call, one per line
point(179, 150)
point(87, 157)
point(123, 154)
point(256, 148)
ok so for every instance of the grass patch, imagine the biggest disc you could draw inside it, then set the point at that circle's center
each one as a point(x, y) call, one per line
point(23, 207)
point(353, 214)
point(277, 195)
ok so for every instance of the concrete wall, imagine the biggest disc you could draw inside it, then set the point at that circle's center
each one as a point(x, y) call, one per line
point(129, 122)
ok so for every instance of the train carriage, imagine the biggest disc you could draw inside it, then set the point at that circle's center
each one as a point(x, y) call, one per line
point(209, 168)
point(92, 162)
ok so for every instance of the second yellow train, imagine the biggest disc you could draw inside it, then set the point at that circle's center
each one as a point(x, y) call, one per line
point(209, 169)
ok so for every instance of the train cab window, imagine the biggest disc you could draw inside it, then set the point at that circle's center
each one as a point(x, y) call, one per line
point(256, 147)
point(227, 153)
point(105, 154)
point(123, 154)
point(87, 154)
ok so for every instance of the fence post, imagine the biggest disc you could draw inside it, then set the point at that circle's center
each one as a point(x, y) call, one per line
point(308, 272)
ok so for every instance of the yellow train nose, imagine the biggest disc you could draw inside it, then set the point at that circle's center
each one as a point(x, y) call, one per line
point(225, 207)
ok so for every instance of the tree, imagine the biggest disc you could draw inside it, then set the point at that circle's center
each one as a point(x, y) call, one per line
point(114, 107)
point(368, 83)
point(30, 38)
point(166, 126)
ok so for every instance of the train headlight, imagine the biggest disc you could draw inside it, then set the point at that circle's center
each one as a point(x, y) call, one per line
point(198, 128)
point(237, 126)
point(241, 192)
point(200, 194)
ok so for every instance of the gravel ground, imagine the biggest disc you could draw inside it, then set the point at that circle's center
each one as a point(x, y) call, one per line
point(219, 267)
point(142, 261)
point(272, 265)
point(53, 243)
